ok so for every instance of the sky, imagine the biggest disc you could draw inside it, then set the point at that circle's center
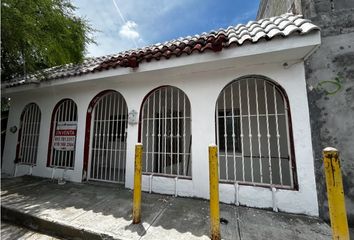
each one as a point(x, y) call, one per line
point(129, 24)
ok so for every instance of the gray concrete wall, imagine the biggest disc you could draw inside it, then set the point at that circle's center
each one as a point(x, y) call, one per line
point(269, 8)
point(330, 80)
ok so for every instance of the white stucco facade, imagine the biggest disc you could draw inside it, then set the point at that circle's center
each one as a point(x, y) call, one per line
point(201, 77)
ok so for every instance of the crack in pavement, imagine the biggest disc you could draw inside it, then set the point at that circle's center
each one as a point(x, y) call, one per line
point(238, 222)
point(156, 217)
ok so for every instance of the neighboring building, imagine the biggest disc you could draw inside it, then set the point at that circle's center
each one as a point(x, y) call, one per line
point(243, 88)
point(330, 83)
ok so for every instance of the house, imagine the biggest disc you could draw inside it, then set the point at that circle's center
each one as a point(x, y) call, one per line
point(242, 88)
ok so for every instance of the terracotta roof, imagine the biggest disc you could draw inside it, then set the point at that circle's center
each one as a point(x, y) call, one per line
point(268, 28)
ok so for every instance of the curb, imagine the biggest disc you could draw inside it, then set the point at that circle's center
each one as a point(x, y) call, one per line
point(51, 228)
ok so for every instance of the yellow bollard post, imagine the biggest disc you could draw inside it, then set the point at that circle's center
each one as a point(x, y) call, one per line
point(214, 193)
point(137, 184)
point(335, 194)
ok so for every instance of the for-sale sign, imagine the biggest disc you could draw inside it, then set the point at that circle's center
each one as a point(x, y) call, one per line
point(65, 136)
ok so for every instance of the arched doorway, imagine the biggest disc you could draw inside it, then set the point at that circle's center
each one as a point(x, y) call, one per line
point(105, 145)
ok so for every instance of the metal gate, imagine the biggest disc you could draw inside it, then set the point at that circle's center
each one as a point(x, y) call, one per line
point(29, 135)
point(166, 133)
point(253, 134)
point(108, 139)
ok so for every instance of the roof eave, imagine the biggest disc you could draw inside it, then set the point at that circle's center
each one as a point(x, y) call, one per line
point(282, 47)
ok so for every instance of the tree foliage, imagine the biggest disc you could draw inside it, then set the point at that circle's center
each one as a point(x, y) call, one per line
point(37, 34)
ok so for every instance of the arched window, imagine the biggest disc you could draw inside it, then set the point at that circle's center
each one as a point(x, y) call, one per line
point(106, 121)
point(254, 134)
point(27, 147)
point(62, 142)
point(166, 133)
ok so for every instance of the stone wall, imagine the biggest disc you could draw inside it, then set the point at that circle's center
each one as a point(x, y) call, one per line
point(269, 8)
point(330, 81)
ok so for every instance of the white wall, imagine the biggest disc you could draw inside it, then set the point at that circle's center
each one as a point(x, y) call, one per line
point(202, 85)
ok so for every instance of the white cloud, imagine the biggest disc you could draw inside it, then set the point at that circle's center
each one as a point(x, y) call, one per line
point(124, 25)
point(128, 30)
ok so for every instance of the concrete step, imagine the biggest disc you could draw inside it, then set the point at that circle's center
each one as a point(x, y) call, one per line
point(11, 232)
point(49, 227)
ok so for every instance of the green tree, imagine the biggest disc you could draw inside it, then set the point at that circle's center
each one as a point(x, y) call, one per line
point(37, 34)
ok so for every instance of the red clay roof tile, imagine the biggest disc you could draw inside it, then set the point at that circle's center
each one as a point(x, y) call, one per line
point(284, 26)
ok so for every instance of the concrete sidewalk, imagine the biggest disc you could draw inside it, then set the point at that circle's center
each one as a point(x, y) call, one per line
point(103, 211)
